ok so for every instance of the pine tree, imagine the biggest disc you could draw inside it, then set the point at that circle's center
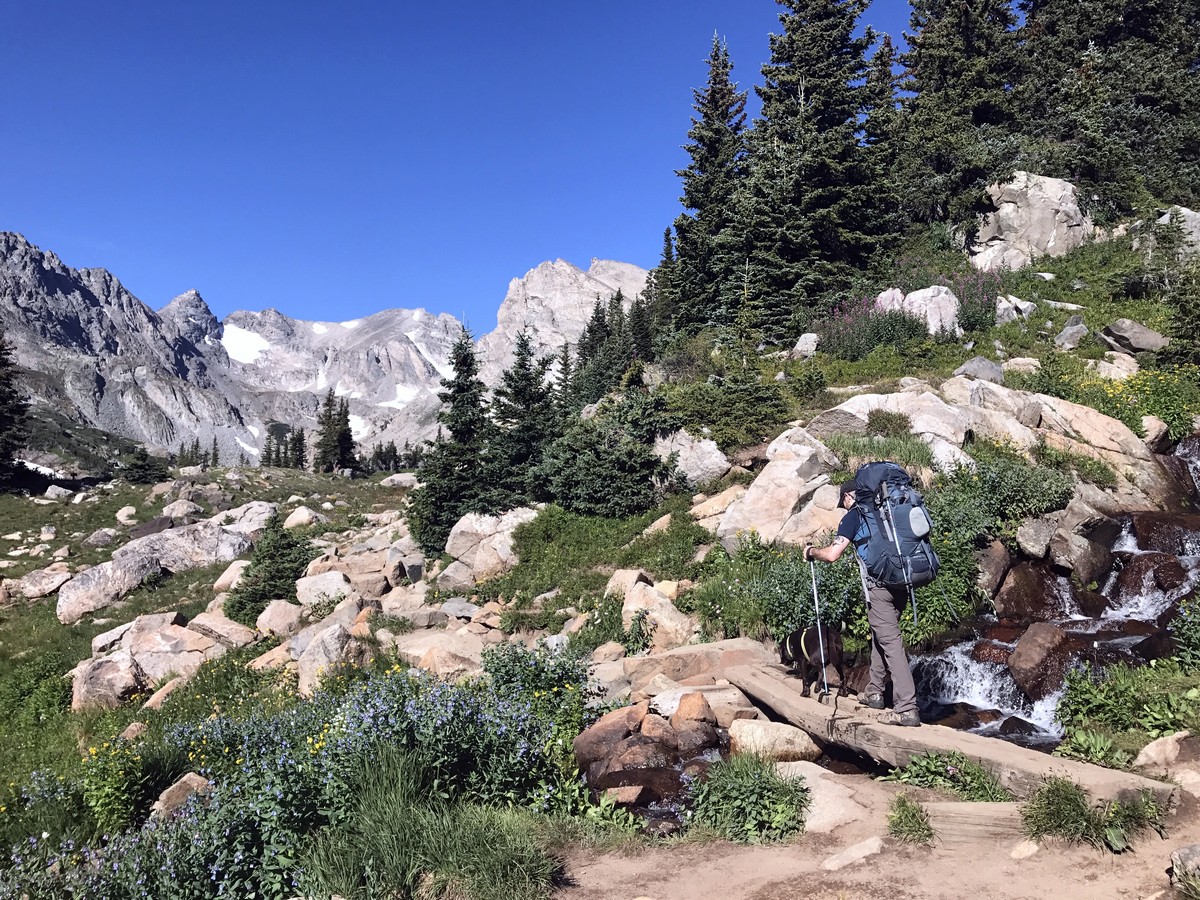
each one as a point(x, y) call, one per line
point(882, 137)
point(805, 213)
point(1112, 92)
point(641, 329)
point(456, 469)
point(523, 410)
point(346, 449)
point(959, 136)
point(297, 450)
point(325, 452)
point(705, 252)
point(14, 412)
point(268, 451)
point(661, 293)
point(215, 454)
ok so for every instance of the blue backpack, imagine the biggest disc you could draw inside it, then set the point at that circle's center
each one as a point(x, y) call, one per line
point(896, 551)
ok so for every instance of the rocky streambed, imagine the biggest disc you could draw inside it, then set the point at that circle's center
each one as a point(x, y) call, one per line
point(1006, 678)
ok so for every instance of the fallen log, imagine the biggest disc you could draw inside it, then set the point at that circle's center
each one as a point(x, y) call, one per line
point(844, 723)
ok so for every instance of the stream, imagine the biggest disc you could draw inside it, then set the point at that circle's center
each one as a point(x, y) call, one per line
point(957, 687)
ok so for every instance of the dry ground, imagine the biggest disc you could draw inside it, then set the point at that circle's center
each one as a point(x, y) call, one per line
point(793, 871)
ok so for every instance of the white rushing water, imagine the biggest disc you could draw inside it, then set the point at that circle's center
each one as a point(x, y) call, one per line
point(952, 676)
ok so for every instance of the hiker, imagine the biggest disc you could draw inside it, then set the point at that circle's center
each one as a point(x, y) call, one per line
point(883, 614)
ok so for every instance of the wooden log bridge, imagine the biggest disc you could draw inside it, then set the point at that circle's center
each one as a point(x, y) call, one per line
point(841, 721)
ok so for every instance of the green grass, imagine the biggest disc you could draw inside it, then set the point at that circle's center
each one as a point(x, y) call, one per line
point(402, 840)
point(854, 450)
point(953, 773)
point(908, 821)
point(1086, 468)
point(1064, 810)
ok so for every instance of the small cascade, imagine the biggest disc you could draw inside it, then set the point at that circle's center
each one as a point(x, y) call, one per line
point(1146, 601)
point(1188, 450)
point(952, 677)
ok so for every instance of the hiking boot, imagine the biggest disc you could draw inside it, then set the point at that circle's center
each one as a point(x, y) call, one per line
point(871, 701)
point(908, 719)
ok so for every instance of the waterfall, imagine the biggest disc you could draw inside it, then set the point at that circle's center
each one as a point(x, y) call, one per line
point(1188, 450)
point(952, 676)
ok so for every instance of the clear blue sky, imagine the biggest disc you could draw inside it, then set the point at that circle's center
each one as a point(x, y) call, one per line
point(332, 160)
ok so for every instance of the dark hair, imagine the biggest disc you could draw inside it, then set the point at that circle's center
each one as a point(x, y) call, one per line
point(848, 487)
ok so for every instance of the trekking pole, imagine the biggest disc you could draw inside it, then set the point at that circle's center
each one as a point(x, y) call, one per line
point(812, 566)
point(913, 596)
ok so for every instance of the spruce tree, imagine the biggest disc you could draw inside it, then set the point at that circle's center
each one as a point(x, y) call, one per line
point(705, 252)
point(325, 451)
point(523, 410)
point(215, 454)
point(268, 451)
point(346, 449)
point(297, 449)
point(661, 293)
point(1111, 90)
point(805, 213)
point(14, 412)
point(456, 469)
point(959, 69)
point(882, 138)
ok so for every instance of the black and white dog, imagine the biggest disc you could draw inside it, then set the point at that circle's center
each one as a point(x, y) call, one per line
point(801, 651)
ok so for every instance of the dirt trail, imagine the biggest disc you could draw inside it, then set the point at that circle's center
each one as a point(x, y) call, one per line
point(980, 871)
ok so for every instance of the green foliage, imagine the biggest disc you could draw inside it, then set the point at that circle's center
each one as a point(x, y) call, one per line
point(886, 423)
point(745, 799)
point(1086, 468)
point(276, 562)
point(14, 412)
point(35, 692)
point(1185, 628)
point(606, 466)
point(401, 840)
point(1062, 809)
point(1093, 747)
point(855, 450)
point(716, 147)
point(735, 411)
point(908, 821)
point(142, 468)
point(1150, 701)
point(120, 780)
point(1184, 301)
point(857, 327)
point(523, 409)
point(954, 773)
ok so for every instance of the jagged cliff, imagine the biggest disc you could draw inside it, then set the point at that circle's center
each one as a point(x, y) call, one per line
point(101, 356)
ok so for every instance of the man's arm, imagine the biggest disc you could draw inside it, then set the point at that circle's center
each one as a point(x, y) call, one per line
point(828, 554)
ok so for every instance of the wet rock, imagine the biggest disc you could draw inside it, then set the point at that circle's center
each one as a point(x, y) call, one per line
point(1032, 593)
point(1157, 646)
point(1040, 660)
point(1175, 533)
point(991, 652)
point(1015, 725)
point(1088, 560)
point(696, 737)
point(994, 563)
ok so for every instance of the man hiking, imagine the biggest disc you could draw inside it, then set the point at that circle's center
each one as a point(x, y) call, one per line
point(883, 615)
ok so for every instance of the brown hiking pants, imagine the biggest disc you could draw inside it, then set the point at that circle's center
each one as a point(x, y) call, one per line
point(887, 648)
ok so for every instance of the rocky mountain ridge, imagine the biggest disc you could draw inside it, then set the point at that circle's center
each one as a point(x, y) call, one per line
point(100, 355)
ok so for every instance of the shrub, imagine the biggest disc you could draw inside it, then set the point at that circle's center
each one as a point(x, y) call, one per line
point(1093, 747)
point(1086, 468)
point(908, 821)
point(734, 412)
point(976, 293)
point(277, 561)
point(855, 450)
point(595, 468)
point(744, 799)
point(886, 423)
point(954, 773)
point(1185, 628)
point(1060, 808)
point(1152, 700)
point(856, 328)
